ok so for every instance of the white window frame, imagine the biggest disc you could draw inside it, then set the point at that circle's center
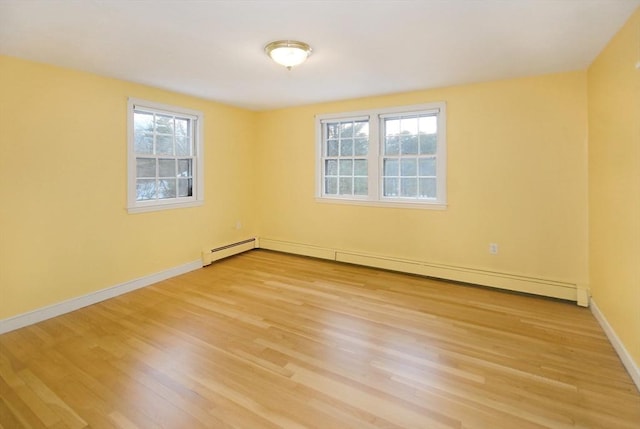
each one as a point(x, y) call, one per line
point(197, 199)
point(375, 157)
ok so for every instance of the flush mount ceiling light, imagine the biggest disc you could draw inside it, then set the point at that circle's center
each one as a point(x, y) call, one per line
point(288, 53)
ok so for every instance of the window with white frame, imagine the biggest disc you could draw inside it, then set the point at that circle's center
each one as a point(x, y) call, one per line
point(346, 157)
point(394, 156)
point(165, 156)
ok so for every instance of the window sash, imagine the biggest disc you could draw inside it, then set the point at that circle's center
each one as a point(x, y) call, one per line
point(405, 173)
point(345, 158)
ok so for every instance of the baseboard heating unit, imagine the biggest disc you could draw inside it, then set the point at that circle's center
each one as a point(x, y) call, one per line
point(211, 255)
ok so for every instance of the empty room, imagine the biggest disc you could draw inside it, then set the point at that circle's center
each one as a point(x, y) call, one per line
point(320, 214)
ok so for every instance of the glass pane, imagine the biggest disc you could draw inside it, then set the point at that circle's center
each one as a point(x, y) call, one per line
point(391, 127)
point(428, 188)
point(166, 168)
point(346, 147)
point(332, 131)
point(391, 187)
point(408, 167)
point(360, 186)
point(331, 167)
point(346, 167)
point(428, 144)
point(142, 122)
point(182, 127)
point(183, 146)
point(184, 168)
point(392, 146)
point(362, 129)
point(408, 187)
point(145, 167)
point(332, 147)
point(167, 188)
point(331, 185)
point(428, 124)
point(164, 124)
point(409, 144)
point(185, 188)
point(164, 145)
point(409, 125)
point(361, 147)
point(346, 130)
point(360, 167)
point(427, 167)
point(145, 189)
point(346, 186)
point(143, 143)
point(391, 167)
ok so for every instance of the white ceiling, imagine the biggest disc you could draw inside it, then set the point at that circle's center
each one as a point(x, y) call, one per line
point(214, 49)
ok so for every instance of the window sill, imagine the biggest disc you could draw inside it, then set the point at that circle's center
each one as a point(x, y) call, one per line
point(388, 204)
point(165, 206)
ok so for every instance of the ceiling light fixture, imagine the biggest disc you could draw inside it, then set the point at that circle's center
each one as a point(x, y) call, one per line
point(288, 53)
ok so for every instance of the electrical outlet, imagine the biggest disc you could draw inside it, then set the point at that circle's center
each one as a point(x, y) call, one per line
point(493, 248)
point(238, 224)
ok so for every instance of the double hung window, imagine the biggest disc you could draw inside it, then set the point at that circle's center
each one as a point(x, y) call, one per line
point(393, 156)
point(346, 157)
point(165, 156)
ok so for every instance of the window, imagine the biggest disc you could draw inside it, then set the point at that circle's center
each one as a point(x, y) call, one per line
point(165, 157)
point(346, 160)
point(393, 156)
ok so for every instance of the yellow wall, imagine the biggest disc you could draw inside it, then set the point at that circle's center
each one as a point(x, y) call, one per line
point(517, 176)
point(64, 229)
point(614, 184)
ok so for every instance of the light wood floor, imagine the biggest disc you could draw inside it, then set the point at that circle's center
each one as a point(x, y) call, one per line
point(267, 340)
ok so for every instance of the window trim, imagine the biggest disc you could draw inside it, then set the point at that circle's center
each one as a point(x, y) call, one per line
point(375, 158)
point(135, 206)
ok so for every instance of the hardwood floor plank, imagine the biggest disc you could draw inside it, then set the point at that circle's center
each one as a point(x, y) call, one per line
point(53, 401)
point(121, 421)
point(15, 408)
point(269, 340)
point(388, 409)
point(10, 418)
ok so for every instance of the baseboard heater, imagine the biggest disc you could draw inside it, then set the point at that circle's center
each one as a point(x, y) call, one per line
point(217, 253)
point(520, 283)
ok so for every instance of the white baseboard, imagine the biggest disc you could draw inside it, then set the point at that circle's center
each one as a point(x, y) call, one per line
point(72, 304)
point(514, 282)
point(632, 368)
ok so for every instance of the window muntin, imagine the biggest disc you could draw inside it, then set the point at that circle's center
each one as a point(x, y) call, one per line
point(165, 156)
point(405, 160)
